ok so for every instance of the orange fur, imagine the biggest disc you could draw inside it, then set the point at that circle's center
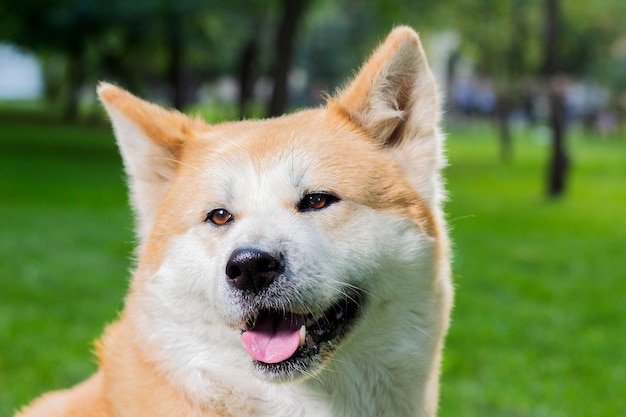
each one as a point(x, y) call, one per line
point(168, 128)
point(84, 400)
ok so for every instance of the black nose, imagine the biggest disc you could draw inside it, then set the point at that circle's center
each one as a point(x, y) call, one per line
point(251, 269)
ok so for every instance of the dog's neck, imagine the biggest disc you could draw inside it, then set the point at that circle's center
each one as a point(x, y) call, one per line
point(391, 371)
point(392, 379)
point(383, 382)
point(389, 379)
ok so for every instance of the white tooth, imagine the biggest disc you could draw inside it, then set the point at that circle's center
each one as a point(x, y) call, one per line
point(302, 334)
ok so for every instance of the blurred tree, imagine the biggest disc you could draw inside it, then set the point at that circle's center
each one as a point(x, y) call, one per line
point(338, 35)
point(293, 11)
point(130, 41)
point(504, 51)
point(578, 39)
point(247, 75)
point(170, 45)
point(252, 18)
point(594, 49)
point(65, 27)
point(559, 161)
point(167, 35)
point(535, 42)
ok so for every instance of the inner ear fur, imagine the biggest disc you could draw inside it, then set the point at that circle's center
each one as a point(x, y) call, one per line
point(394, 95)
point(151, 140)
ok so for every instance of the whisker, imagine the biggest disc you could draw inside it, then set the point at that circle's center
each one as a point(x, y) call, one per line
point(419, 329)
point(181, 163)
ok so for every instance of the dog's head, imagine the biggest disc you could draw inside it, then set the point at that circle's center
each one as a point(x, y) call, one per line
point(288, 237)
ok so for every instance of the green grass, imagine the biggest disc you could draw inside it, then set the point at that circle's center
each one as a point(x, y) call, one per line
point(540, 317)
point(65, 239)
point(540, 312)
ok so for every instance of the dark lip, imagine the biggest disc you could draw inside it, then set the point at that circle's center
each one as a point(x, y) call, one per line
point(323, 336)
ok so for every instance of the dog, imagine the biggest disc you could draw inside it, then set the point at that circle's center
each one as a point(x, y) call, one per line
point(295, 266)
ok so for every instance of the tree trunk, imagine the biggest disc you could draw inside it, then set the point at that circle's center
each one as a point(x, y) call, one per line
point(550, 58)
point(247, 75)
point(504, 108)
point(75, 81)
point(175, 64)
point(559, 160)
point(451, 70)
point(285, 41)
point(557, 172)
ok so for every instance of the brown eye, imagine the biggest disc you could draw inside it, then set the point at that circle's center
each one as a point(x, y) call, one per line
point(316, 201)
point(219, 217)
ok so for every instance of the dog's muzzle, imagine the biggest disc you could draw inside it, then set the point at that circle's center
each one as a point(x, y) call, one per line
point(283, 342)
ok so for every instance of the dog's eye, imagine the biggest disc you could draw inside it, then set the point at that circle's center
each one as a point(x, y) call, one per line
point(219, 217)
point(316, 201)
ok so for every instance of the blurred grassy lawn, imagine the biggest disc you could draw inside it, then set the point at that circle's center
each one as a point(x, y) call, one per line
point(540, 318)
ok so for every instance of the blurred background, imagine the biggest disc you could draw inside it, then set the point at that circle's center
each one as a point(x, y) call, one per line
point(535, 113)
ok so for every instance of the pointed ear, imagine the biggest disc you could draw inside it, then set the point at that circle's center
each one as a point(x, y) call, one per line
point(150, 139)
point(393, 88)
point(394, 98)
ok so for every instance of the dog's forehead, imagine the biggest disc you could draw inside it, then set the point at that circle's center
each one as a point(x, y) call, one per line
point(306, 150)
point(283, 158)
point(267, 141)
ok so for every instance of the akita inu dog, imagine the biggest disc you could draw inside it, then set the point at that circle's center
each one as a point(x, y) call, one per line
point(297, 266)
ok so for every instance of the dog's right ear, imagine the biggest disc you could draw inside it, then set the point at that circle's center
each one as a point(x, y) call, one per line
point(151, 140)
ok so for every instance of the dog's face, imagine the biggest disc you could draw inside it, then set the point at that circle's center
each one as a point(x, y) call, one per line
point(285, 240)
point(285, 224)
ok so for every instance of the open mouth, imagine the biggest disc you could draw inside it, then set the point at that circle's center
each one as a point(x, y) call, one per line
point(284, 344)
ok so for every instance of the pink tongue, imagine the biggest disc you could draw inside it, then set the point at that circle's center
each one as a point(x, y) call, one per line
point(273, 339)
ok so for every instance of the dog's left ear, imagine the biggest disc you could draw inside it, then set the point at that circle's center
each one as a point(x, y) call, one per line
point(394, 98)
